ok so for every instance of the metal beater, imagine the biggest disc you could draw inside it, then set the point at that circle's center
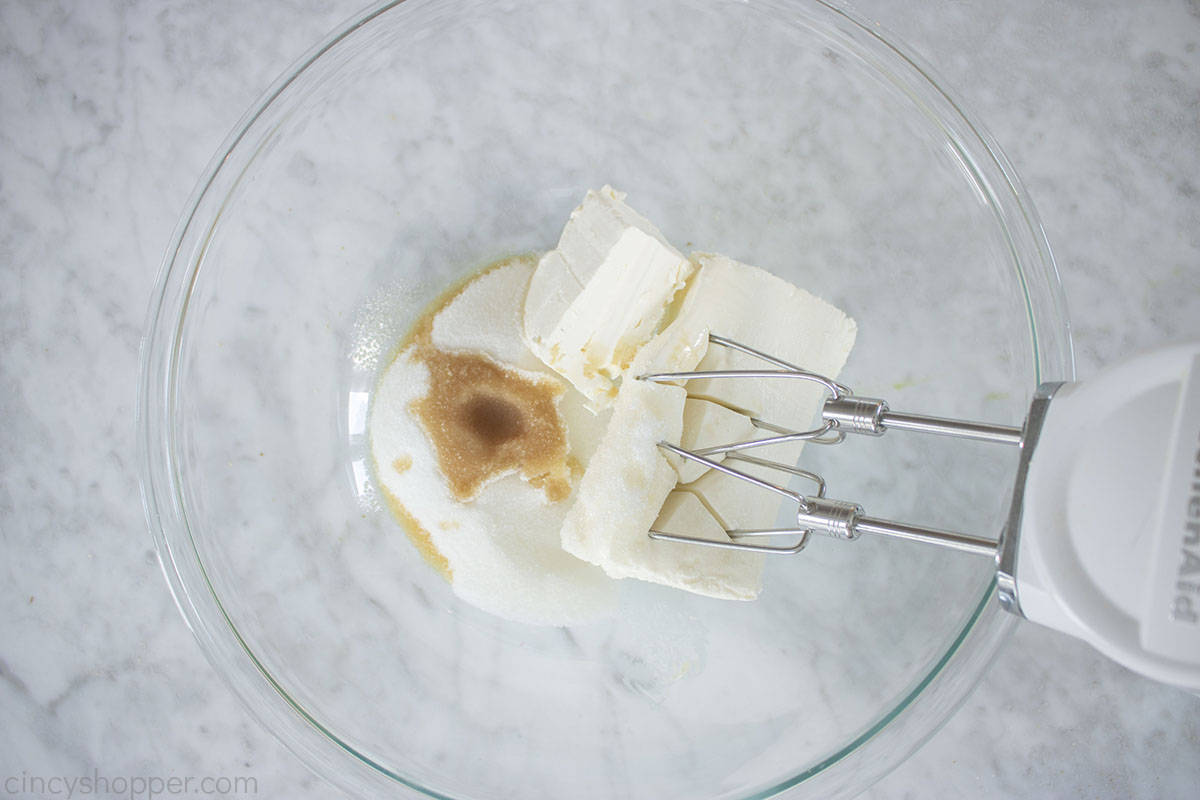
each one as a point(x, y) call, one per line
point(842, 412)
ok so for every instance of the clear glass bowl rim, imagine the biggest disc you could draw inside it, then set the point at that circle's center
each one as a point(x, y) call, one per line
point(895, 735)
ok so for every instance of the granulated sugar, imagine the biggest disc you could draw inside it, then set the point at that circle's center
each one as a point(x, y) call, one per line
point(500, 550)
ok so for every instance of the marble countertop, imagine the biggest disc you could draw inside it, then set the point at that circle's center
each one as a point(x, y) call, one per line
point(109, 109)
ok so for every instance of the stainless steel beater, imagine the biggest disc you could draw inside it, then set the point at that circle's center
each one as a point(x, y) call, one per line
point(842, 412)
point(1104, 524)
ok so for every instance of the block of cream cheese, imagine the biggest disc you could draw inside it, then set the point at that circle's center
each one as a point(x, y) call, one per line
point(736, 504)
point(740, 576)
point(625, 489)
point(629, 478)
point(709, 424)
point(600, 294)
point(756, 308)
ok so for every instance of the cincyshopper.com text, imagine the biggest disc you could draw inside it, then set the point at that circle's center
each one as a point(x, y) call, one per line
point(131, 787)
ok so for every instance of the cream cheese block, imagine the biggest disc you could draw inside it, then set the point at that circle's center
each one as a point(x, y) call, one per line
point(756, 308)
point(709, 424)
point(740, 574)
point(627, 486)
point(628, 480)
point(601, 294)
point(623, 491)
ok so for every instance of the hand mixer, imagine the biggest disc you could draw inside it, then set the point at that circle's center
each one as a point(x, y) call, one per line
point(1102, 539)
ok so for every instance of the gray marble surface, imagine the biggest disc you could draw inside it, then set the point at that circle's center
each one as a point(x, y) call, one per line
point(109, 111)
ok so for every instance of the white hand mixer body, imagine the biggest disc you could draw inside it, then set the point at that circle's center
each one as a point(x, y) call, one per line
point(1103, 537)
point(1106, 542)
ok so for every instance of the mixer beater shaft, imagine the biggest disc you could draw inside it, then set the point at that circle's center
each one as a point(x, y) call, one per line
point(842, 413)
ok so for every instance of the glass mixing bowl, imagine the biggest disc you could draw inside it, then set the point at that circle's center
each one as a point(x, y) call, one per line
point(421, 141)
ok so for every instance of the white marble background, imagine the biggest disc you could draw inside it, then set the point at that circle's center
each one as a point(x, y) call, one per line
point(110, 108)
